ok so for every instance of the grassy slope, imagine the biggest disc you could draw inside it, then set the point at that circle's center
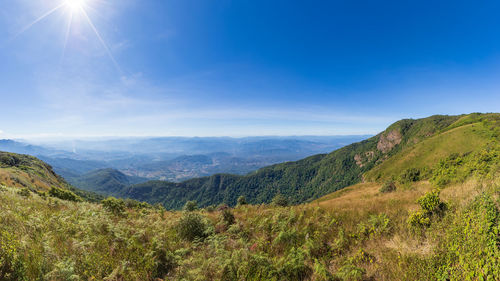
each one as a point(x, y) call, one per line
point(353, 234)
point(25, 171)
point(464, 139)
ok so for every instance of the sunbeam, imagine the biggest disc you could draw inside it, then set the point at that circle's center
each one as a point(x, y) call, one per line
point(66, 36)
point(39, 19)
point(74, 7)
point(105, 46)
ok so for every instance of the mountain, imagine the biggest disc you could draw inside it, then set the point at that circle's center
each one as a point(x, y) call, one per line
point(428, 139)
point(25, 171)
point(101, 181)
point(175, 158)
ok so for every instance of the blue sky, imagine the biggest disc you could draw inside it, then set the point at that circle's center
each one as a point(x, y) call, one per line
point(240, 68)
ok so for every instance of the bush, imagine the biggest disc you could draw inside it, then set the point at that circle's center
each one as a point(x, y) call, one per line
point(165, 262)
point(64, 270)
point(24, 192)
point(190, 206)
point(471, 244)
point(419, 219)
point(388, 186)
point(192, 226)
point(280, 201)
point(259, 267)
point(64, 194)
point(227, 217)
point(295, 268)
point(11, 266)
point(242, 200)
point(431, 206)
point(134, 204)
point(114, 205)
point(410, 175)
point(351, 272)
point(431, 203)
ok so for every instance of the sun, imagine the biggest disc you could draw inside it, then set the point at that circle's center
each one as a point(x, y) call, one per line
point(75, 5)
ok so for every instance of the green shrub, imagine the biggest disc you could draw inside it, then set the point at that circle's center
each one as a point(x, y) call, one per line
point(190, 206)
point(11, 266)
point(431, 203)
point(63, 270)
point(242, 200)
point(64, 194)
point(114, 205)
point(294, 268)
point(471, 247)
point(258, 267)
point(419, 219)
point(431, 206)
point(376, 225)
point(456, 168)
point(165, 262)
point(388, 186)
point(350, 272)
point(280, 201)
point(134, 204)
point(24, 192)
point(227, 217)
point(192, 226)
point(410, 175)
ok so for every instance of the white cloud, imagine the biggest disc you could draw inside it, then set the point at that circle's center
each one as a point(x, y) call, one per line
point(1, 132)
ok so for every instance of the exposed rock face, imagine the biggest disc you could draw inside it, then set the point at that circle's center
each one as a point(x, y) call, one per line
point(361, 160)
point(389, 141)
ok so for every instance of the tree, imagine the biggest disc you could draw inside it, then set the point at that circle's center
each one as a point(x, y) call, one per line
point(280, 200)
point(228, 217)
point(190, 206)
point(192, 226)
point(115, 206)
point(242, 200)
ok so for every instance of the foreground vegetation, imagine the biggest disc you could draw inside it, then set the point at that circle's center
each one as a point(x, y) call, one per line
point(371, 236)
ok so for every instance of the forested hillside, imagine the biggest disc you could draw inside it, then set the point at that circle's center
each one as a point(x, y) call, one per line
point(318, 175)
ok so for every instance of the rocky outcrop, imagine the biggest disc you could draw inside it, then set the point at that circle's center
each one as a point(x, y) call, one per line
point(361, 160)
point(389, 140)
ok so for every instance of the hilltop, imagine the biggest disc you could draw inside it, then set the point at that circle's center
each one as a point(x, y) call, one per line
point(406, 144)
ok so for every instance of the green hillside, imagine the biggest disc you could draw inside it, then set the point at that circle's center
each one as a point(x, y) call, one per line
point(470, 133)
point(101, 181)
point(24, 171)
point(407, 143)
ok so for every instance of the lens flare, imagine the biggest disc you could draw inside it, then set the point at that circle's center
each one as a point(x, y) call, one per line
point(75, 5)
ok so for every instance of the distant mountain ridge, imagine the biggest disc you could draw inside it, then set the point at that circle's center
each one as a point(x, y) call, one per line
point(171, 158)
point(321, 174)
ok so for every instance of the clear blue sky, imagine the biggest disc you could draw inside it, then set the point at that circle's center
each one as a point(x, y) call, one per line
point(237, 68)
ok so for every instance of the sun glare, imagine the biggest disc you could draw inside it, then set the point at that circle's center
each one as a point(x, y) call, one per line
point(75, 5)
